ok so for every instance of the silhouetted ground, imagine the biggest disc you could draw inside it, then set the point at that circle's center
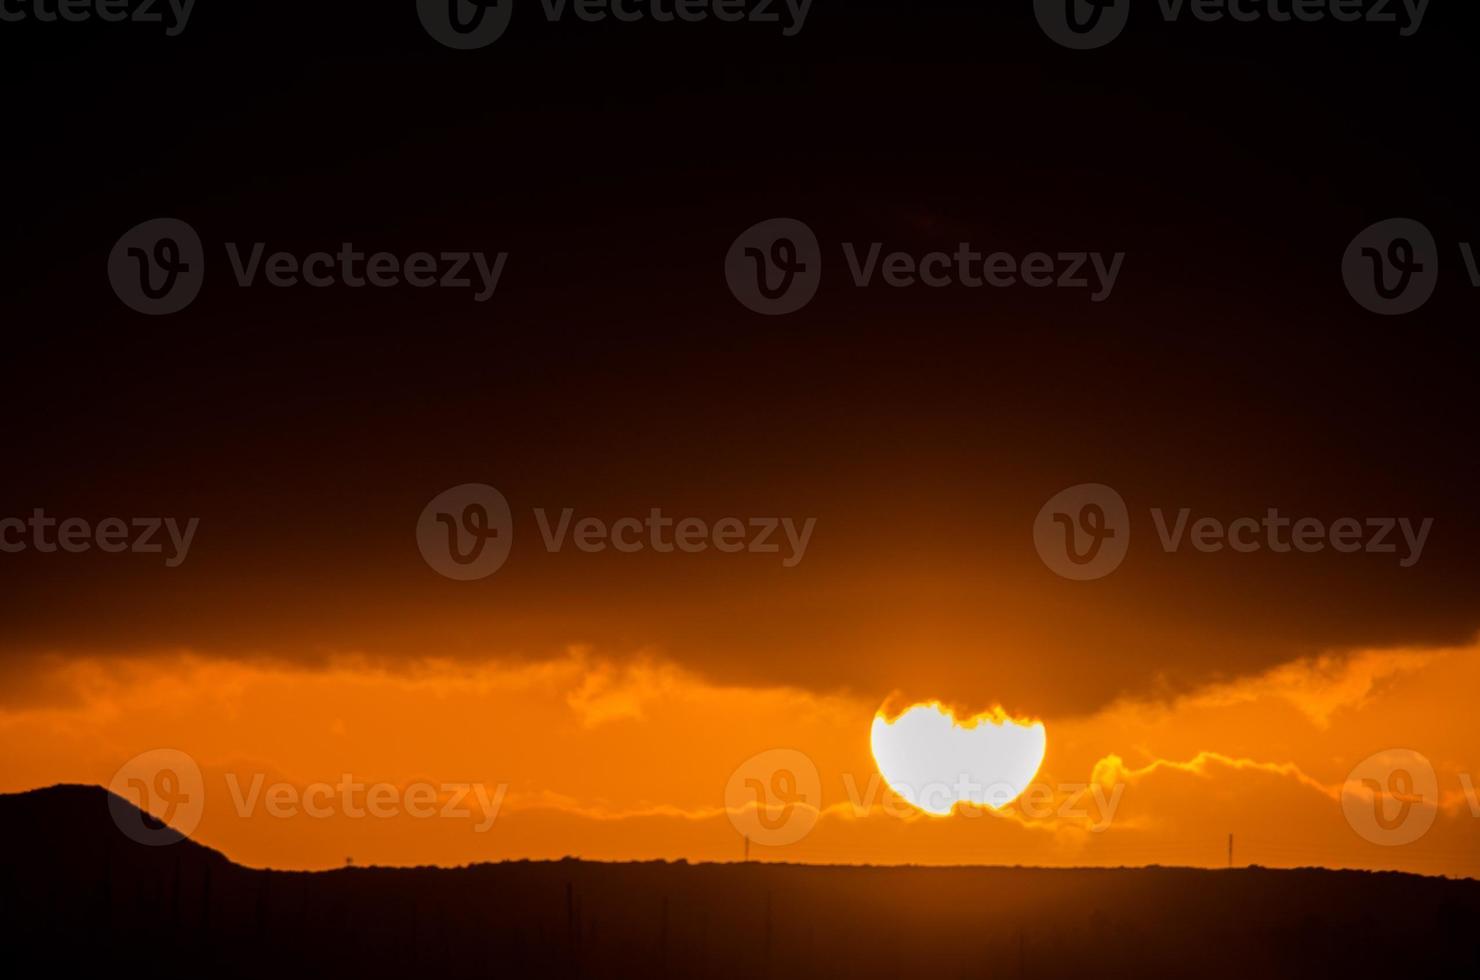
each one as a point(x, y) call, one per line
point(75, 893)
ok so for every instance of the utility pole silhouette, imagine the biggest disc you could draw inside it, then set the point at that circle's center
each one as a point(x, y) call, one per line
point(747, 848)
point(1230, 851)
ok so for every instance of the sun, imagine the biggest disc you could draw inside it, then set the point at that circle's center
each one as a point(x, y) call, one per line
point(936, 762)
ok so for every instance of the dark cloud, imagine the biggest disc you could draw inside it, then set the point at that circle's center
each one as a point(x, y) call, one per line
point(613, 373)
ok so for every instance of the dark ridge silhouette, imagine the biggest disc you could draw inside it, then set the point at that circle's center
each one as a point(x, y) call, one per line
point(75, 892)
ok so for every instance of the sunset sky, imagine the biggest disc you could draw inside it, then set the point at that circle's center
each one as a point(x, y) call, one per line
point(611, 702)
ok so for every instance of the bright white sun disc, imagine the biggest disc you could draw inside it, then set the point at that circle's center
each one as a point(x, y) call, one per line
point(934, 761)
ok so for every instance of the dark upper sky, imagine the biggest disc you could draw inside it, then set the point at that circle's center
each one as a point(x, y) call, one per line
point(613, 372)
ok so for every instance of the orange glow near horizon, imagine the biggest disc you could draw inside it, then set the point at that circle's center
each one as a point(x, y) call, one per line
point(305, 767)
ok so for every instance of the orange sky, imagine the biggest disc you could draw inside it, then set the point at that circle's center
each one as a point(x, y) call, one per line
point(632, 757)
point(626, 705)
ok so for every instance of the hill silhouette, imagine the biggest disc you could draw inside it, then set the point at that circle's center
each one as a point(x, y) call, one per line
point(75, 892)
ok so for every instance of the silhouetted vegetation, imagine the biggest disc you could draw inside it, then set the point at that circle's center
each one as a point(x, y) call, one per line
point(78, 894)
